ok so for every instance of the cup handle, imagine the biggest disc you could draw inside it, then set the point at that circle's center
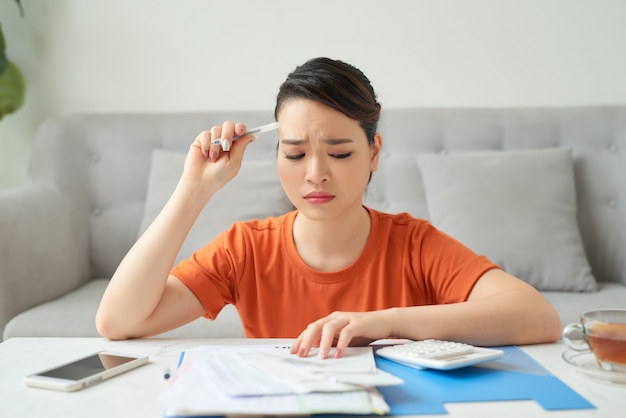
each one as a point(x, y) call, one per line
point(578, 345)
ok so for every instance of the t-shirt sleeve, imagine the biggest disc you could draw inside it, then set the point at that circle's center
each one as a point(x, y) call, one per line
point(210, 274)
point(450, 269)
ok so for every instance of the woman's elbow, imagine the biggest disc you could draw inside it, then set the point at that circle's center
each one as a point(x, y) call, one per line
point(543, 322)
point(553, 325)
point(108, 327)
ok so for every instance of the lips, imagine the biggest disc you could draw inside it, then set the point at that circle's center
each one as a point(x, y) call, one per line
point(318, 197)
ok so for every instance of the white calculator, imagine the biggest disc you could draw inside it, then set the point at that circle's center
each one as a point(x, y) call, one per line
point(438, 354)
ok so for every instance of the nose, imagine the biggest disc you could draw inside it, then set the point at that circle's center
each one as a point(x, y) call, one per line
point(317, 170)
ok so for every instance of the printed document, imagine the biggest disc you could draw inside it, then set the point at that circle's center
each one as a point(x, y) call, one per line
point(267, 379)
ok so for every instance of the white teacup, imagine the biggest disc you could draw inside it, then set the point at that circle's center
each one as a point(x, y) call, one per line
point(604, 333)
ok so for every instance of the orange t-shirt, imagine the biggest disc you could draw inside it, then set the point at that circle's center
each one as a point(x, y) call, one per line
point(256, 267)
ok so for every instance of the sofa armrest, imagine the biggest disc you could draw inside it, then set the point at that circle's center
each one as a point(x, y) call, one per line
point(43, 248)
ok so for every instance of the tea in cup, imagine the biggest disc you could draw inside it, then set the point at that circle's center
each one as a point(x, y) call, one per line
point(604, 333)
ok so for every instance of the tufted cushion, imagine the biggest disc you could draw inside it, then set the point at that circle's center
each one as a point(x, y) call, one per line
point(516, 207)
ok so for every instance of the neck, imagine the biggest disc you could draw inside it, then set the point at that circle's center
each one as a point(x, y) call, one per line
point(332, 244)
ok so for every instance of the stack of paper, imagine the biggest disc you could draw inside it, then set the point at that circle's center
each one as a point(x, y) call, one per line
point(222, 380)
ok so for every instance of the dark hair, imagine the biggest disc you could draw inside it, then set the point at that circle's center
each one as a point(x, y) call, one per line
point(337, 85)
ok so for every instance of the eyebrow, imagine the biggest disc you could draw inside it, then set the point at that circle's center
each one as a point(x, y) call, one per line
point(329, 141)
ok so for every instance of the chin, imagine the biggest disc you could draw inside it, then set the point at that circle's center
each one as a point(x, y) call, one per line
point(317, 212)
point(324, 212)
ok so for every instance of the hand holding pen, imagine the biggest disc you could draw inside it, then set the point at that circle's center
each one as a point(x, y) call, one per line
point(224, 136)
point(225, 143)
point(216, 155)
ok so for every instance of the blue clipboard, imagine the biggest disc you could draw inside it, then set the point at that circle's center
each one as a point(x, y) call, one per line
point(516, 376)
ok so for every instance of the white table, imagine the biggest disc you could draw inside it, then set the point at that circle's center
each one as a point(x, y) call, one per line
point(134, 394)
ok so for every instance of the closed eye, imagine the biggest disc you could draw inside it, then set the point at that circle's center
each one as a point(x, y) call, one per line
point(294, 156)
point(341, 156)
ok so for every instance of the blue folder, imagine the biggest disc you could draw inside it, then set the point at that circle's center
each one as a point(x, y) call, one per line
point(516, 376)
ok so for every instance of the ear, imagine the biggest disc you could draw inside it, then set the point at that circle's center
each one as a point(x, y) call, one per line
point(375, 150)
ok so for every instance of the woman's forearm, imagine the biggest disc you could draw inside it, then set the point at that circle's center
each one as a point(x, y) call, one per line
point(139, 282)
point(514, 314)
point(475, 324)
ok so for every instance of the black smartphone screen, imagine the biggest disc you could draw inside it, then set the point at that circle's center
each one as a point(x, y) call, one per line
point(87, 366)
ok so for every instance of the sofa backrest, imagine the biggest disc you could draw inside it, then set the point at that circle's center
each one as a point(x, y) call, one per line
point(597, 136)
point(101, 162)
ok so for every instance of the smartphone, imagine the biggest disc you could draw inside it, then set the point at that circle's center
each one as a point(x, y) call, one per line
point(85, 371)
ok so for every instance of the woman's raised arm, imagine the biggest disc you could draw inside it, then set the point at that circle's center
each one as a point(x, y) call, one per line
point(142, 298)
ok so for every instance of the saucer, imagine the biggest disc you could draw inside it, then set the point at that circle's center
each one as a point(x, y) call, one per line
point(585, 362)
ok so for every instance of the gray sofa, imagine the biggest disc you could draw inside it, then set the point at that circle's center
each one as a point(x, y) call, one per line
point(95, 181)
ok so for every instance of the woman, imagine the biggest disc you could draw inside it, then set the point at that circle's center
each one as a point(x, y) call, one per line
point(332, 272)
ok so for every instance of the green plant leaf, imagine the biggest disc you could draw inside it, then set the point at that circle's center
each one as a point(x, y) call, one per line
point(3, 57)
point(19, 4)
point(12, 90)
point(12, 84)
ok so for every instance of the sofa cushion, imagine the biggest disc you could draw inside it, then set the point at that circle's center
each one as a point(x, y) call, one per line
point(570, 305)
point(74, 315)
point(254, 193)
point(516, 207)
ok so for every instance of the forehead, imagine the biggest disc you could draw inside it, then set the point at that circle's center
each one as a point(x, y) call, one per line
point(308, 115)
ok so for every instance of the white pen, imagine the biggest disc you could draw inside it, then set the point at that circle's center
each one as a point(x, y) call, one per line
point(258, 130)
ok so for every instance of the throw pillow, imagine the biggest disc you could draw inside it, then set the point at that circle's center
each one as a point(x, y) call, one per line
point(518, 208)
point(255, 193)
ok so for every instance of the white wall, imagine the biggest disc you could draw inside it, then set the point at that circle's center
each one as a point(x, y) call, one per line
point(187, 55)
